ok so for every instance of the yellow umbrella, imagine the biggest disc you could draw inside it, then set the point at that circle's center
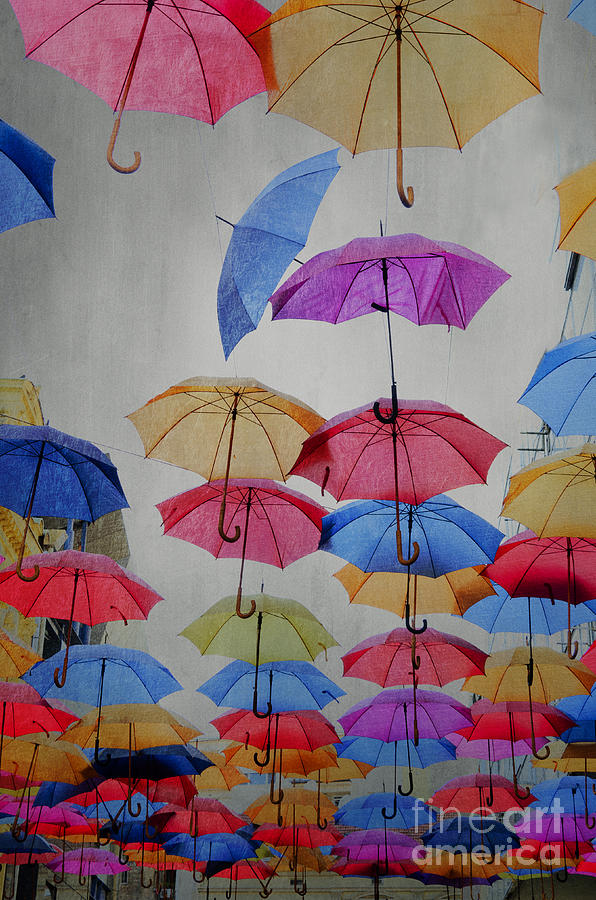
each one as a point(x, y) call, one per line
point(556, 495)
point(299, 763)
point(454, 592)
point(130, 725)
point(15, 659)
point(43, 758)
point(218, 777)
point(424, 74)
point(298, 804)
point(577, 201)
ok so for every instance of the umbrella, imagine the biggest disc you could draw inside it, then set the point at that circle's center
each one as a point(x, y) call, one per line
point(88, 861)
point(535, 615)
point(449, 536)
point(134, 725)
point(280, 525)
point(378, 753)
point(191, 61)
point(385, 658)
point(25, 712)
point(372, 77)
point(304, 729)
point(26, 171)
point(81, 587)
point(44, 472)
point(466, 793)
point(298, 804)
point(294, 761)
point(202, 424)
point(292, 685)
point(392, 715)
point(367, 812)
point(556, 495)
point(372, 843)
point(155, 763)
point(204, 815)
point(284, 629)
point(219, 776)
point(453, 592)
point(583, 12)
point(577, 194)
point(563, 387)
point(265, 240)
point(15, 658)
point(557, 567)
point(480, 834)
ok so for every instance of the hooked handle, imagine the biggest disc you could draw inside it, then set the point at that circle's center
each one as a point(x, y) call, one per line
point(405, 792)
point(393, 415)
point(221, 529)
point(400, 555)
point(124, 170)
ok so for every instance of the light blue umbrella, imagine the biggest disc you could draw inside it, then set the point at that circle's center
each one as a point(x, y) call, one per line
point(504, 613)
point(584, 13)
point(289, 684)
point(367, 812)
point(563, 388)
point(449, 536)
point(271, 232)
point(26, 171)
point(380, 753)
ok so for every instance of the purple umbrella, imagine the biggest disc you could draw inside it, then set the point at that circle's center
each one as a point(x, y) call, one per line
point(395, 713)
point(376, 844)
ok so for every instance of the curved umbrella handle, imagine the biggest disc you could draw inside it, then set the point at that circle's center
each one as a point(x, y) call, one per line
point(266, 892)
point(404, 792)
point(220, 526)
point(255, 693)
point(265, 762)
point(253, 606)
point(150, 882)
point(412, 628)
point(405, 195)
point(572, 654)
point(124, 170)
point(400, 555)
point(321, 823)
point(122, 857)
point(393, 814)
point(392, 417)
point(22, 575)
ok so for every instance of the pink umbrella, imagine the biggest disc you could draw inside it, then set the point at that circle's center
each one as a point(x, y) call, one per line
point(279, 525)
point(192, 59)
point(376, 844)
point(87, 861)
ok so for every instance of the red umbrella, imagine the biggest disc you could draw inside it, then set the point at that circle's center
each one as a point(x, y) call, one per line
point(24, 711)
point(80, 587)
point(558, 567)
point(192, 59)
point(279, 525)
point(204, 816)
point(301, 730)
point(514, 720)
point(438, 658)
point(300, 835)
point(408, 452)
point(466, 794)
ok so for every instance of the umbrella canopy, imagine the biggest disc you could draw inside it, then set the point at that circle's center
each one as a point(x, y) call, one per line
point(34, 848)
point(288, 630)
point(15, 658)
point(479, 834)
point(26, 171)
point(403, 88)
point(556, 495)
point(367, 812)
point(306, 729)
point(298, 805)
point(294, 761)
point(385, 658)
point(193, 424)
point(88, 861)
point(154, 763)
point(468, 793)
point(203, 816)
point(454, 592)
point(23, 711)
point(389, 716)
point(279, 525)
point(449, 536)
point(577, 192)
point(379, 753)
point(47, 759)
point(266, 239)
point(134, 725)
point(291, 685)
point(555, 676)
point(563, 388)
point(428, 282)
point(105, 672)
point(351, 455)
point(539, 615)
point(310, 836)
point(193, 62)
point(583, 12)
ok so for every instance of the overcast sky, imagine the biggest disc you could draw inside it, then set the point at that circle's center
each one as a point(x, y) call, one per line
point(115, 300)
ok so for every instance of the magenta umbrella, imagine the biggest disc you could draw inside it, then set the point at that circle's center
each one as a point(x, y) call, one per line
point(88, 861)
point(376, 844)
point(279, 525)
point(191, 59)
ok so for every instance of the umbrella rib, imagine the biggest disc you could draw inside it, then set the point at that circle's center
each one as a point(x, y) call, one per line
point(585, 387)
point(361, 268)
point(64, 26)
point(576, 220)
point(385, 48)
point(579, 475)
point(199, 60)
point(270, 524)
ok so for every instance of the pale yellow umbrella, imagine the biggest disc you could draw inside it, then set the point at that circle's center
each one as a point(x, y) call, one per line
point(372, 75)
point(454, 592)
point(220, 776)
point(15, 659)
point(44, 758)
point(556, 495)
point(298, 804)
point(577, 202)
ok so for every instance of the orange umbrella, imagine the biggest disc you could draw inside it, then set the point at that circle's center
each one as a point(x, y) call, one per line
point(577, 200)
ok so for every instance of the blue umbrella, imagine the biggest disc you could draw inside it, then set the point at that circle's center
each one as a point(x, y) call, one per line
point(44, 472)
point(380, 753)
point(153, 763)
point(291, 684)
point(584, 13)
point(367, 812)
point(26, 171)
point(563, 388)
point(450, 537)
point(466, 834)
point(265, 241)
point(510, 614)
